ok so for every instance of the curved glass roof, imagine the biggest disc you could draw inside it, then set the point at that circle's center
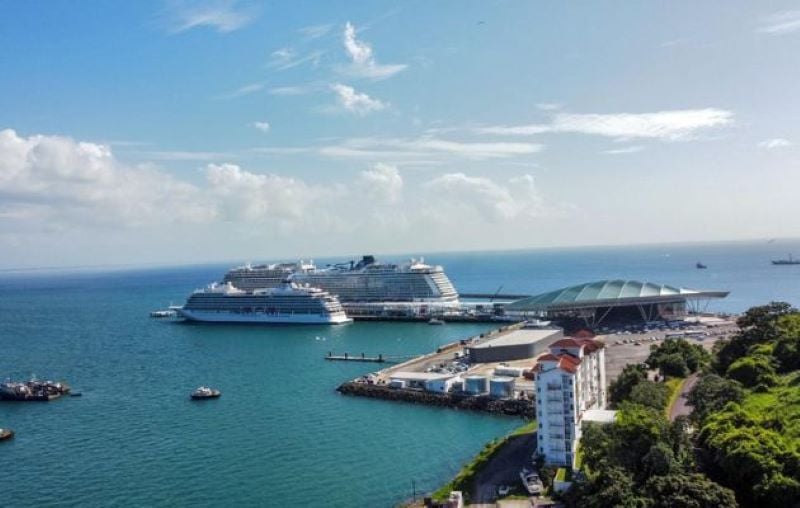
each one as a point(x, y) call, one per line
point(606, 291)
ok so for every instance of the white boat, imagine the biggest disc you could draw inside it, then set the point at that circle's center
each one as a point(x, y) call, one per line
point(364, 281)
point(434, 321)
point(205, 392)
point(290, 303)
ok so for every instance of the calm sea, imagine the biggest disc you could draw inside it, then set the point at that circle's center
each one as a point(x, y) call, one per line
point(280, 435)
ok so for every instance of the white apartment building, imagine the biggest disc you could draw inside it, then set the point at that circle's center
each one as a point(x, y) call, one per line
point(570, 380)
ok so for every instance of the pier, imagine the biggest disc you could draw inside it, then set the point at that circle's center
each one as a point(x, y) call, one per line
point(347, 357)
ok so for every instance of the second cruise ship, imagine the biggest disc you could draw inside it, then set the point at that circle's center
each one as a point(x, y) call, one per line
point(288, 303)
point(365, 281)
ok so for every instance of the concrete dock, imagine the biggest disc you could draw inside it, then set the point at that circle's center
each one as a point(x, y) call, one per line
point(432, 378)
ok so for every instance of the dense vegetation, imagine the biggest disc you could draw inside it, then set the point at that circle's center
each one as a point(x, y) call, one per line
point(643, 460)
point(678, 358)
point(741, 445)
point(748, 412)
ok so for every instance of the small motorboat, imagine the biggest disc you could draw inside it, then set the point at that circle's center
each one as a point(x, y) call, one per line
point(6, 434)
point(434, 321)
point(205, 392)
point(700, 266)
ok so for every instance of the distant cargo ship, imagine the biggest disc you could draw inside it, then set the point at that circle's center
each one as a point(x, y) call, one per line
point(789, 261)
point(364, 281)
point(289, 303)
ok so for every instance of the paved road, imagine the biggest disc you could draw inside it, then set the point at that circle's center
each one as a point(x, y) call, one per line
point(681, 408)
point(504, 468)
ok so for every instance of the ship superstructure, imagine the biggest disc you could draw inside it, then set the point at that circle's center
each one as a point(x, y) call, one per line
point(288, 303)
point(364, 281)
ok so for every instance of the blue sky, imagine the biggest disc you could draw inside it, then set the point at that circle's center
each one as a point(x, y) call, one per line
point(147, 132)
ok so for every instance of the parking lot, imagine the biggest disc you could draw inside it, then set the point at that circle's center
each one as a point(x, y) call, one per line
point(633, 345)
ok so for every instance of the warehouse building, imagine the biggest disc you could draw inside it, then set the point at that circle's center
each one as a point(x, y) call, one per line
point(515, 345)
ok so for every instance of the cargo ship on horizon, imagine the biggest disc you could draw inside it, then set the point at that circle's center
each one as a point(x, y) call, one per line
point(789, 261)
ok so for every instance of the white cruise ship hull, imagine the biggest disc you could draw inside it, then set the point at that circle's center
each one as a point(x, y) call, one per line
point(261, 318)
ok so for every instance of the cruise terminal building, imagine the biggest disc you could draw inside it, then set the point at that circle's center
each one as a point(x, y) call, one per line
point(608, 301)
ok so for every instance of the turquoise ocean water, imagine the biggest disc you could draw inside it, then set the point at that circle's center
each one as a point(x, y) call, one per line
point(280, 435)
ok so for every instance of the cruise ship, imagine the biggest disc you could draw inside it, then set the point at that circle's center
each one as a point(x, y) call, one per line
point(364, 281)
point(288, 303)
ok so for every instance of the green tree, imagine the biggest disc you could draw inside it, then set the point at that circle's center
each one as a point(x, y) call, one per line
point(678, 357)
point(787, 348)
point(687, 491)
point(753, 453)
point(596, 444)
point(636, 430)
point(620, 388)
point(778, 490)
point(650, 394)
point(758, 325)
point(673, 365)
point(752, 371)
point(711, 393)
point(612, 486)
point(659, 461)
point(682, 446)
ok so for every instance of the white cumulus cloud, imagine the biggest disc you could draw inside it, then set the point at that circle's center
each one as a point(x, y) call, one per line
point(252, 197)
point(62, 181)
point(57, 191)
point(356, 102)
point(382, 183)
point(458, 193)
point(263, 126)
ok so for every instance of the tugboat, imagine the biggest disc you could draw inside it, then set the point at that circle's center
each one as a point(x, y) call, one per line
point(789, 261)
point(6, 434)
point(700, 266)
point(205, 392)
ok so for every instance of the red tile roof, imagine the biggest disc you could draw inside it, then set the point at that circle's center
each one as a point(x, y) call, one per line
point(590, 345)
point(564, 362)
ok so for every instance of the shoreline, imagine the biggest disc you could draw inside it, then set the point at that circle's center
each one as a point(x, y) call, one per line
point(509, 407)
